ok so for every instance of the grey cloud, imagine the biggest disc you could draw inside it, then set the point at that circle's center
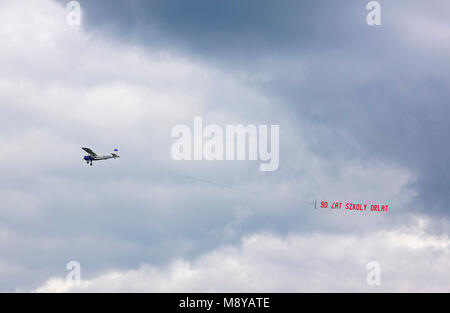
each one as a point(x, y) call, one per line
point(141, 209)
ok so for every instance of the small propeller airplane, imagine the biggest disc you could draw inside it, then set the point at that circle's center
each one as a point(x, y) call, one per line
point(94, 157)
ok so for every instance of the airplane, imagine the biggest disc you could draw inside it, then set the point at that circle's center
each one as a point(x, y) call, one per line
point(94, 157)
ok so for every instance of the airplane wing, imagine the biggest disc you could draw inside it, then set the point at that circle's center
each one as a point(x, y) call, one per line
point(90, 151)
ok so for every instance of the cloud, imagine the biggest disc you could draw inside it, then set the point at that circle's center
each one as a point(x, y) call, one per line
point(271, 263)
point(360, 92)
point(62, 88)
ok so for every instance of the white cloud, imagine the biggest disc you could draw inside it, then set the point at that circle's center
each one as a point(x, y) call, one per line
point(423, 27)
point(314, 262)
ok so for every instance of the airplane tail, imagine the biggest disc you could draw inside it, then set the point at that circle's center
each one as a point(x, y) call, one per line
point(115, 154)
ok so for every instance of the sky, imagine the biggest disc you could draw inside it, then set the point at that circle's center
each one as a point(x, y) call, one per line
point(363, 117)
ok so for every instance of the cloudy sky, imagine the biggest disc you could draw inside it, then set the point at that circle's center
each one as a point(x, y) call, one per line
point(363, 114)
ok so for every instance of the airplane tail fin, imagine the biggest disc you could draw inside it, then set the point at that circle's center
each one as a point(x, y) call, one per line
point(115, 154)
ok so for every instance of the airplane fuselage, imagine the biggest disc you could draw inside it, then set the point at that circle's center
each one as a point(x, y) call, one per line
point(98, 157)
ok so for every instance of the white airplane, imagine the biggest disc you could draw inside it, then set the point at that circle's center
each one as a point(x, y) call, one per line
point(94, 157)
